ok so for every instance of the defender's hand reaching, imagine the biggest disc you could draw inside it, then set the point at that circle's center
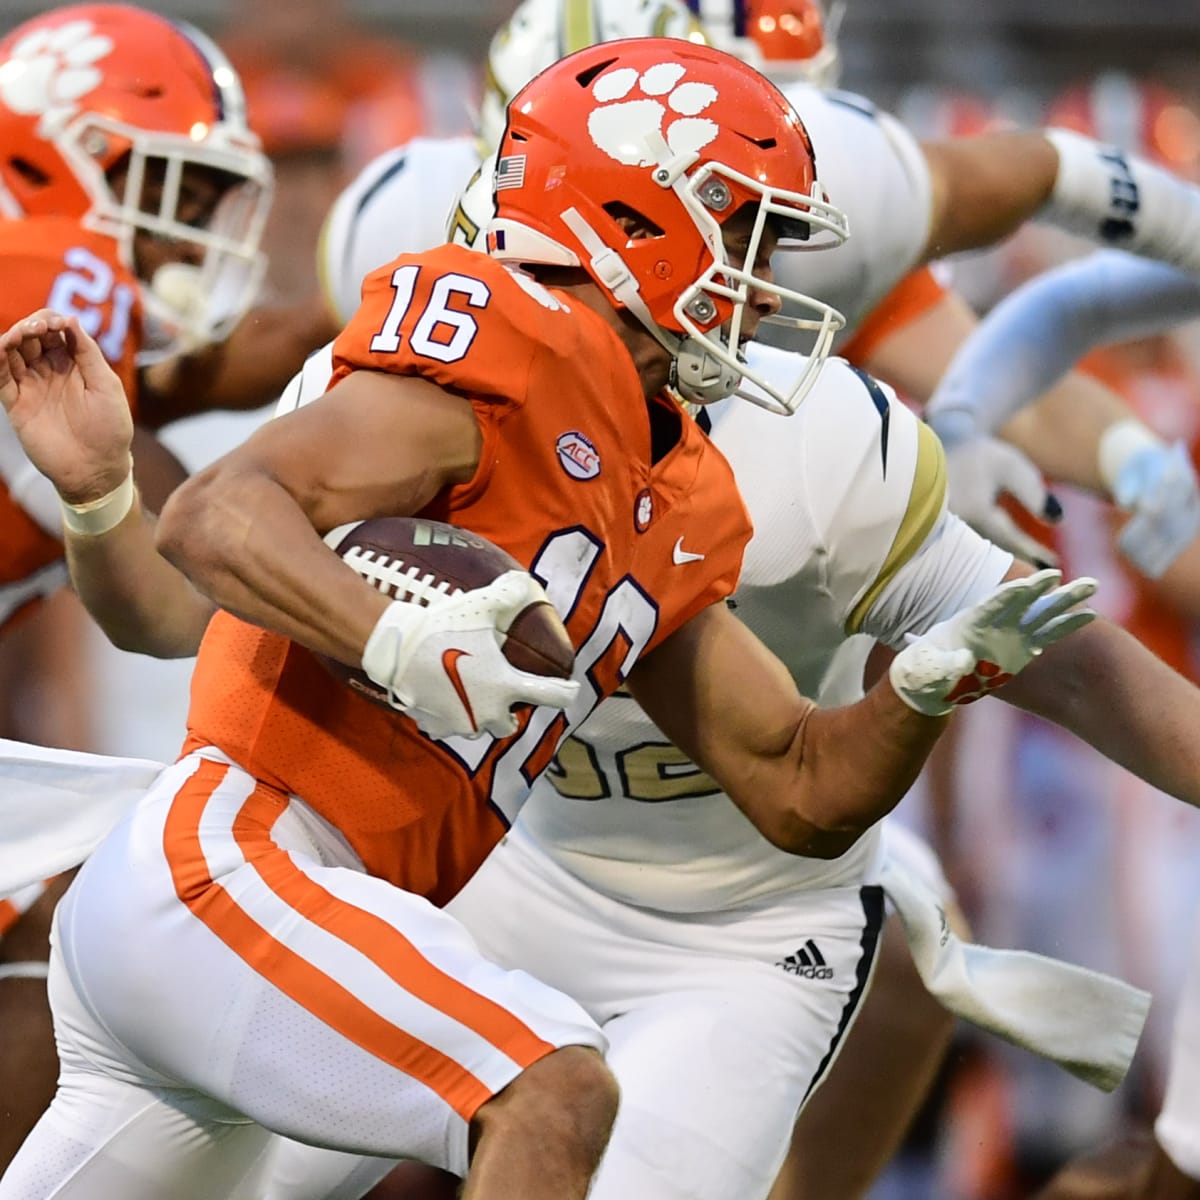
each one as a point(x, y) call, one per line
point(980, 648)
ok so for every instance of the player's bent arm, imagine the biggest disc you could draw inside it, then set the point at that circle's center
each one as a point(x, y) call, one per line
point(142, 603)
point(984, 187)
point(246, 530)
point(812, 780)
point(1036, 334)
point(247, 370)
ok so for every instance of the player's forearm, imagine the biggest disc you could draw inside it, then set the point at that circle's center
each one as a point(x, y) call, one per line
point(1034, 336)
point(247, 545)
point(249, 369)
point(1108, 689)
point(140, 601)
point(845, 769)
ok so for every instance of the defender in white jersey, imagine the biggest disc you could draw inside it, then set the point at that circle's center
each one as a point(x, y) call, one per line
point(724, 973)
point(907, 203)
point(1057, 318)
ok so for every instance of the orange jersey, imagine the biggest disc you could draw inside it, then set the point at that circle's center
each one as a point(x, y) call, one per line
point(52, 262)
point(627, 551)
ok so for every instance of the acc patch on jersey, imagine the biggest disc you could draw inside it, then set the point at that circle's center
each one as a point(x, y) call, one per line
point(578, 456)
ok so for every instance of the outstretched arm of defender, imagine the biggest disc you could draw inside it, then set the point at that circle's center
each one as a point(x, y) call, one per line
point(814, 780)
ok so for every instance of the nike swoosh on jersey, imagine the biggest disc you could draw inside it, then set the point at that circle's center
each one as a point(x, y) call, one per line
point(679, 555)
point(450, 666)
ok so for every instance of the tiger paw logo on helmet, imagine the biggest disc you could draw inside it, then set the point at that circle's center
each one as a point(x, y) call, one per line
point(51, 70)
point(660, 92)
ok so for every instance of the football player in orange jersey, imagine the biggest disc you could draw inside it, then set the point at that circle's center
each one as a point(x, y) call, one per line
point(131, 194)
point(643, 185)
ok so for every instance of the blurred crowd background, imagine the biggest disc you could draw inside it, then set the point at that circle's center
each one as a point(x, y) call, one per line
point(1051, 849)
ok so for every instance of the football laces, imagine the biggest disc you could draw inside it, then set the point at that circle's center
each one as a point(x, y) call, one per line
point(392, 577)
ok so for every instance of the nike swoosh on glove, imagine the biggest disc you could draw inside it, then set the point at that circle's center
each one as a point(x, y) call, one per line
point(444, 665)
point(1158, 485)
point(982, 647)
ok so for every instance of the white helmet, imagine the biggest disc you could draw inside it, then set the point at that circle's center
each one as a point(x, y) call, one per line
point(541, 32)
point(785, 39)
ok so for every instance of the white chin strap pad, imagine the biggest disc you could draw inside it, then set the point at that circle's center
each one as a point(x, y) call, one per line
point(700, 377)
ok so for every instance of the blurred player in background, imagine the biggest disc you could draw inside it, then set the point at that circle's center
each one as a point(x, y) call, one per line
point(132, 195)
point(1058, 318)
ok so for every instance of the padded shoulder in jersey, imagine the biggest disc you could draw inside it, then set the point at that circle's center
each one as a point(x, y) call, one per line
point(875, 171)
point(876, 482)
point(855, 127)
point(420, 181)
point(52, 262)
point(466, 322)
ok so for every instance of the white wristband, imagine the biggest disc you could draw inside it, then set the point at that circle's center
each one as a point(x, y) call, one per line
point(1116, 199)
point(1119, 443)
point(99, 516)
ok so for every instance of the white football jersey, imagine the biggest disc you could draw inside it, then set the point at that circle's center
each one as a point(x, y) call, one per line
point(851, 536)
point(876, 173)
point(397, 204)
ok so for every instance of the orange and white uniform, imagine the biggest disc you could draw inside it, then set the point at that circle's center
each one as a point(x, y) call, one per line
point(54, 262)
point(226, 916)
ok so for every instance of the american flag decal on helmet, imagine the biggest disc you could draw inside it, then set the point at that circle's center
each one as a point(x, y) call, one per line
point(510, 172)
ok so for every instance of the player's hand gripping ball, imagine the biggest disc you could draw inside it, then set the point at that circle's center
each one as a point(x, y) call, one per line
point(478, 599)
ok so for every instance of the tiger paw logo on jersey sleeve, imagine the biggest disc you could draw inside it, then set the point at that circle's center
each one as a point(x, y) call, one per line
point(51, 70)
point(659, 100)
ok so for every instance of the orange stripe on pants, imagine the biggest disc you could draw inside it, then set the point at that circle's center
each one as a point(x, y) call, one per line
point(315, 991)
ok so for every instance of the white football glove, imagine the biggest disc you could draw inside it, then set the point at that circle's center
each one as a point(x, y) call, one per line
point(1158, 485)
point(978, 470)
point(443, 666)
point(984, 646)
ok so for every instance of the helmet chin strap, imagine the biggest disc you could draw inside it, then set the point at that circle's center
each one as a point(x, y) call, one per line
point(696, 375)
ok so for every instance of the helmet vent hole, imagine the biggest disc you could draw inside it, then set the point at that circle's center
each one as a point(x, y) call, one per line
point(32, 174)
point(762, 143)
point(584, 78)
point(633, 223)
point(148, 91)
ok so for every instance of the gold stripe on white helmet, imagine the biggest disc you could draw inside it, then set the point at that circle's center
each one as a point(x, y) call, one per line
point(541, 32)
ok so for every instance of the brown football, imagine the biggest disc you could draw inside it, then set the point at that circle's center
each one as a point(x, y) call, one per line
point(407, 558)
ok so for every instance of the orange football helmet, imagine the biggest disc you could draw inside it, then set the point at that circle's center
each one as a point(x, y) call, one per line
point(675, 138)
point(115, 115)
point(785, 39)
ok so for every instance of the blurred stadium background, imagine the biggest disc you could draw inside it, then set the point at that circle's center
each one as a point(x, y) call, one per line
point(1040, 842)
